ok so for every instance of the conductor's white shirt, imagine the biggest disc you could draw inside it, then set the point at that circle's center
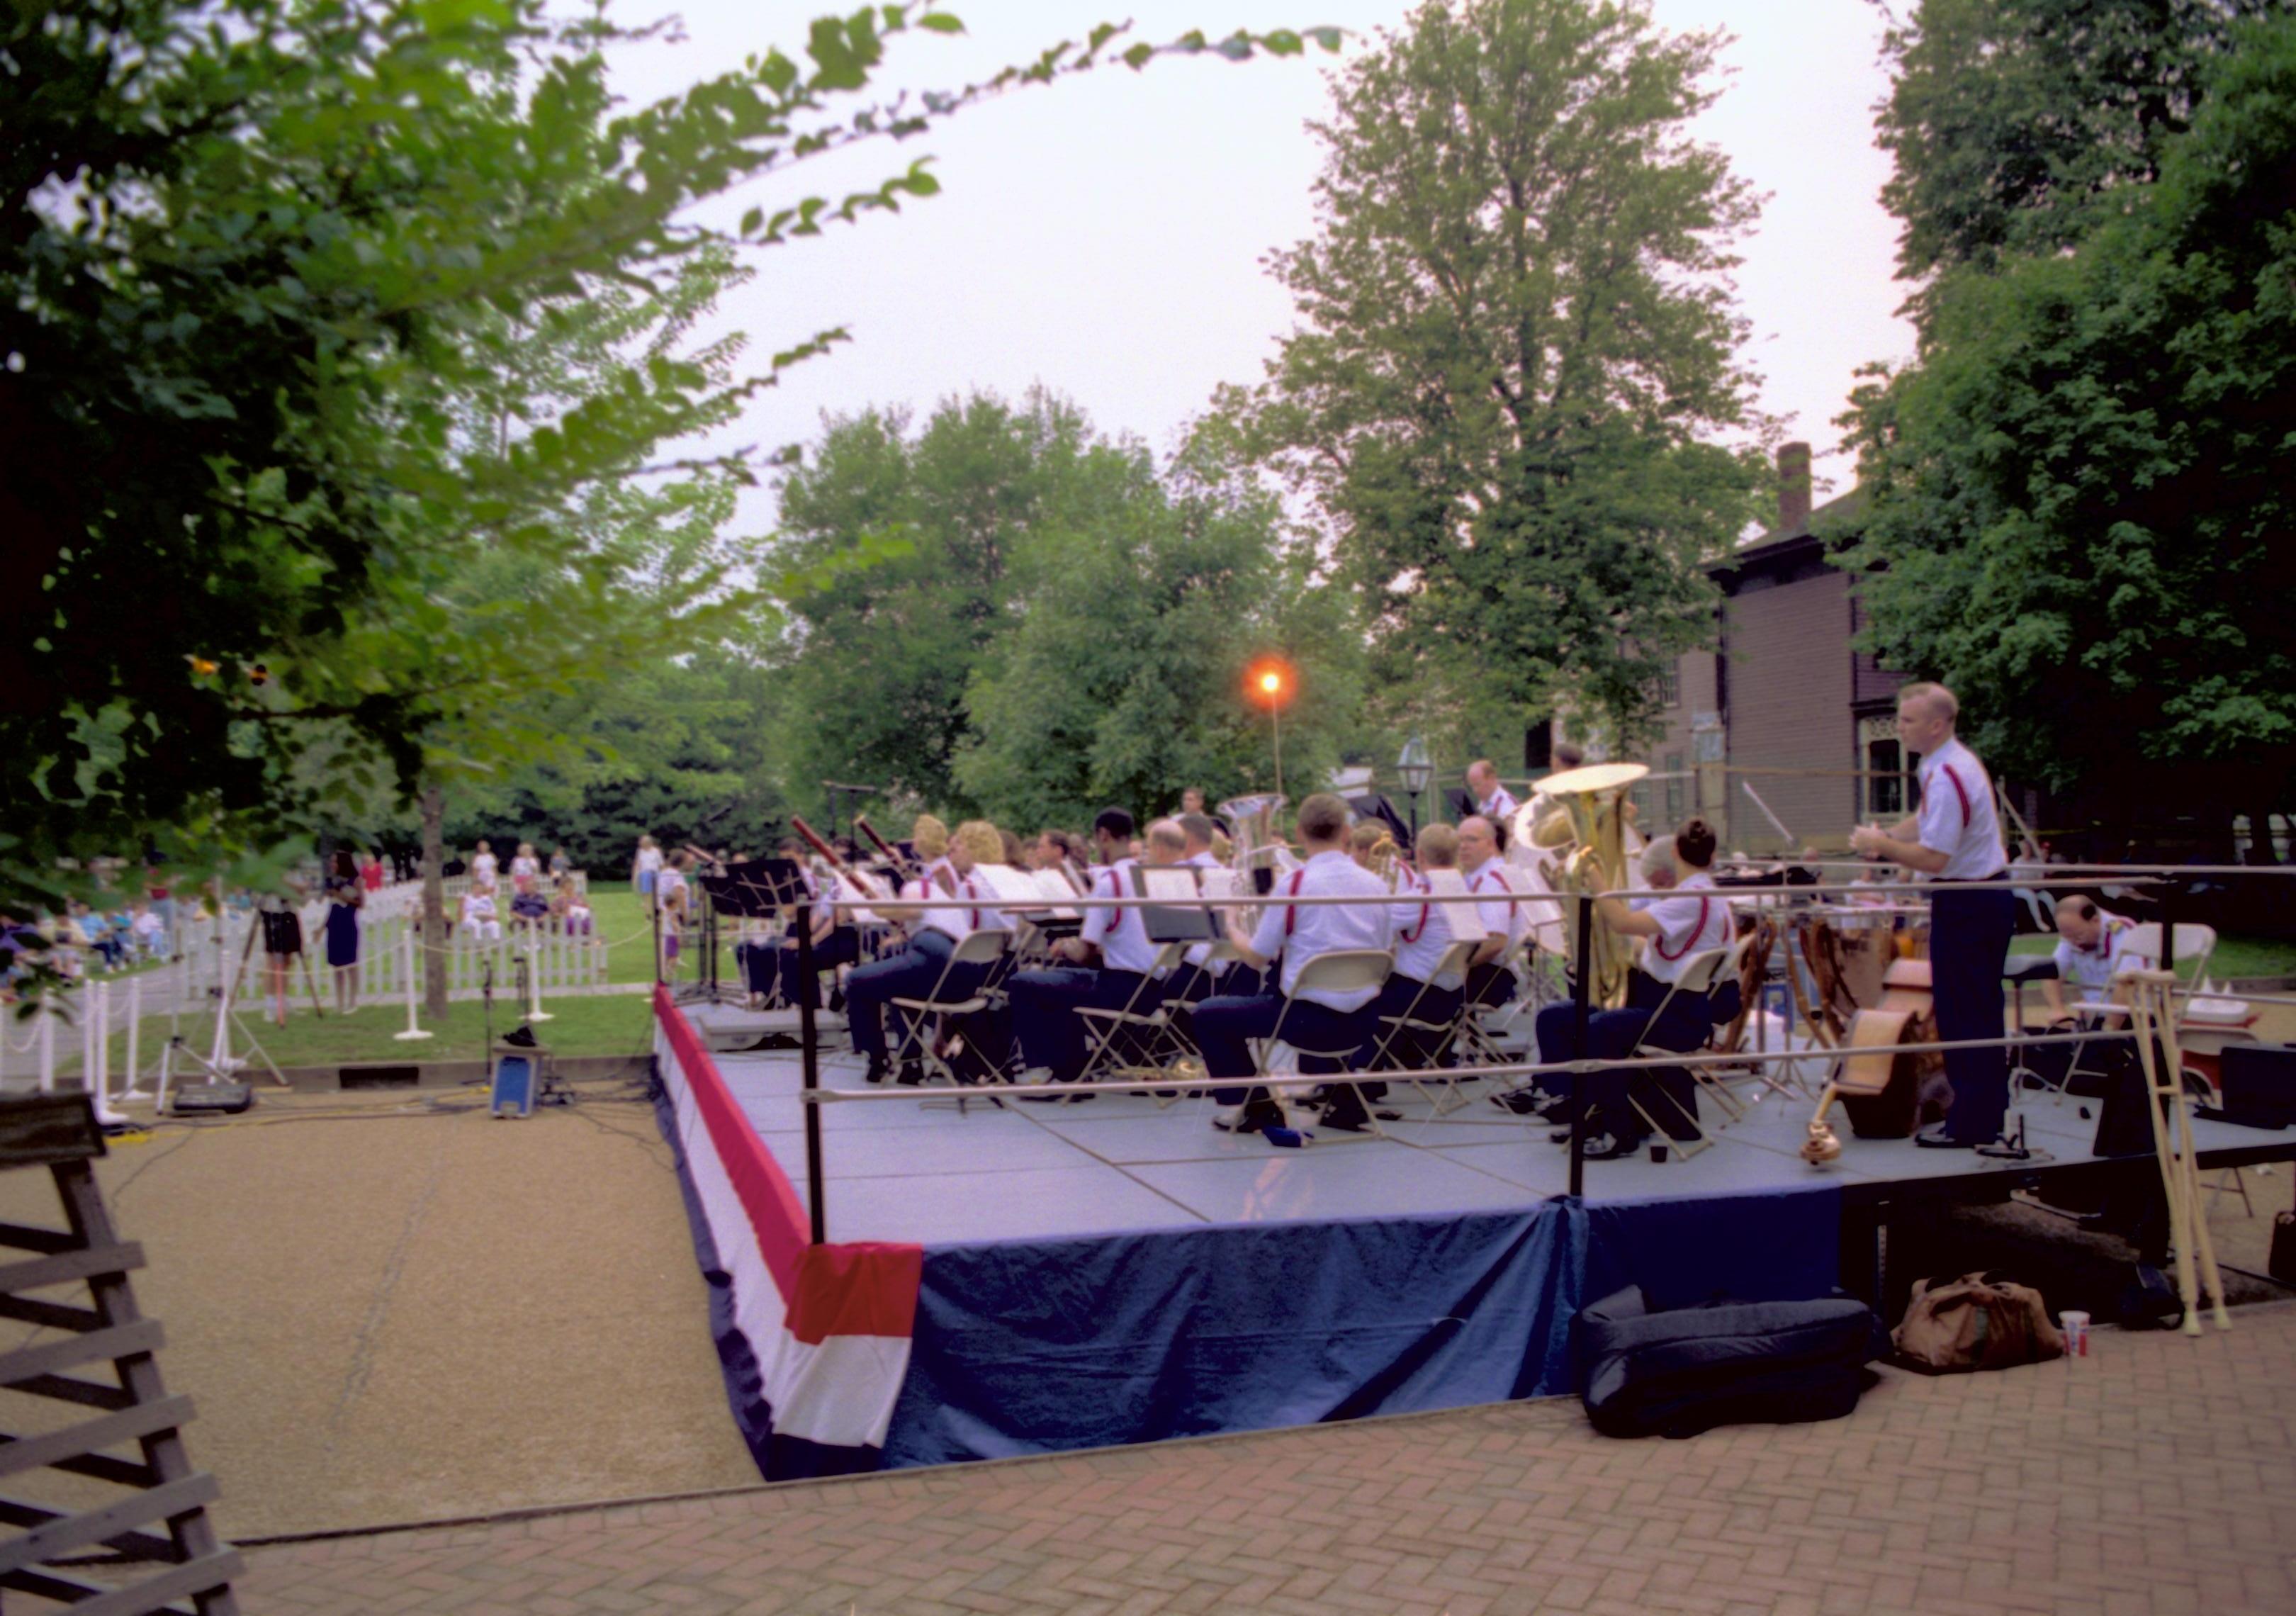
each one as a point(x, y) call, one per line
point(1300, 934)
point(1499, 807)
point(1958, 817)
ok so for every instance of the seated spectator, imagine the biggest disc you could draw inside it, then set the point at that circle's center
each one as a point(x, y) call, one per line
point(149, 935)
point(529, 908)
point(478, 916)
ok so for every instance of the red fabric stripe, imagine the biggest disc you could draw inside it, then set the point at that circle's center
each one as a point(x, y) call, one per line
point(1696, 932)
point(1959, 790)
point(867, 1288)
point(1291, 911)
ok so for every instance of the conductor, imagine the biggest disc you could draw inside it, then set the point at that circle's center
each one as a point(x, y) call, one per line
point(1954, 839)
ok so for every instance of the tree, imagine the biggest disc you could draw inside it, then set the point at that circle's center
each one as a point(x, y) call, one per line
point(251, 253)
point(2016, 126)
point(901, 549)
point(1514, 360)
point(2082, 494)
point(1120, 678)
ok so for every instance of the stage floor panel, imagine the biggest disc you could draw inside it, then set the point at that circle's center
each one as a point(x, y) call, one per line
point(911, 1168)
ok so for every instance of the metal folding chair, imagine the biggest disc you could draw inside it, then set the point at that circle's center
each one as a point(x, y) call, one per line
point(1438, 1037)
point(1699, 974)
point(1130, 1041)
point(1344, 971)
point(986, 949)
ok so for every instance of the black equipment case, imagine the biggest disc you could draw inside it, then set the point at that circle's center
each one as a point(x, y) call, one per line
point(1643, 1372)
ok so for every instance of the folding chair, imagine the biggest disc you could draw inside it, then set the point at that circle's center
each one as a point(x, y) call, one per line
point(985, 949)
point(1112, 1035)
point(2102, 1019)
point(1475, 1036)
point(1697, 979)
point(1344, 970)
point(1439, 1035)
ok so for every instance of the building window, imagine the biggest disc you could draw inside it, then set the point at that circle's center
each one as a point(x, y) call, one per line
point(1889, 790)
point(1667, 688)
point(1673, 791)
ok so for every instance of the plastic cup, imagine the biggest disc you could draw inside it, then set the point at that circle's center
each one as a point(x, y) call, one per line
point(2075, 1325)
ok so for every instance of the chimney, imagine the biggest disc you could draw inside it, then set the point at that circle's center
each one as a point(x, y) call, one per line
point(1793, 488)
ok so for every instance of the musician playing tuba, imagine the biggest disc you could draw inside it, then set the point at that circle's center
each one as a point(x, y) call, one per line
point(1692, 919)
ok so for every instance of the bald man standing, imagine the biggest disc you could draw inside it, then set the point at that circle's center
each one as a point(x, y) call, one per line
point(1954, 839)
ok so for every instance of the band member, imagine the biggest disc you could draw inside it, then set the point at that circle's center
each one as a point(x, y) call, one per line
point(1105, 966)
point(1493, 801)
point(1361, 840)
point(1197, 981)
point(1422, 935)
point(1481, 844)
point(1689, 922)
point(2092, 949)
point(937, 915)
point(1956, 839)
point(1225, 1026)
point(1192, 801)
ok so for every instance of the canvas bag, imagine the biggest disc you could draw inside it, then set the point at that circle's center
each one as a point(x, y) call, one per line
point(1973, 1323)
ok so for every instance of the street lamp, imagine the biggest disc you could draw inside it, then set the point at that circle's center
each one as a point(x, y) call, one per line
point(1417, 769)
point(1270, 681)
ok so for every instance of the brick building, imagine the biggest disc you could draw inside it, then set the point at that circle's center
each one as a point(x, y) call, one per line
point(1784, 692)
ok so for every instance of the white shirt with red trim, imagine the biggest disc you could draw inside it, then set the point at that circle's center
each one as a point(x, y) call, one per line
point(1691, 919)
point(1121, 935)
point(1300, 934)
point(1504, 915)
point(1423, 935)
point(1499, 807)
point(952, 913)
point(2094, 967)
point(1958, 817)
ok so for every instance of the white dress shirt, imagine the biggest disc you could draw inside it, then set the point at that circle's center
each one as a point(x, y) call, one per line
point(1499, 807)
point(1422, 935)
point(1958, 817)
point(1121, 934)
point(1502, 914)
point(2093, 968)
point(1691, 919)
point(1299, 935)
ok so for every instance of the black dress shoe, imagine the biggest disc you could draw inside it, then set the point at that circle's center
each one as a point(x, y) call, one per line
point(1522, 1102)
point(1347, 1119)
point(1934, 1137)
point(913, 1074)
point(1603, 1147)
point(877, 1069)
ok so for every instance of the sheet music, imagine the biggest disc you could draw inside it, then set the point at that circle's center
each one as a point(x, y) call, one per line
point(1167, 883)
point(1054, 885)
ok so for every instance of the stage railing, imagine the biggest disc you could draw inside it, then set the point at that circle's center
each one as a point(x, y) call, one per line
point(2164, 879)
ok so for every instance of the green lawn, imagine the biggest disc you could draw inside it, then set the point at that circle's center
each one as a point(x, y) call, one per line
point(2233, 956)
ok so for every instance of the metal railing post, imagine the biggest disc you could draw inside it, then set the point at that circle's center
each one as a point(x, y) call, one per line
point(1579, 1009)
point(808, 994)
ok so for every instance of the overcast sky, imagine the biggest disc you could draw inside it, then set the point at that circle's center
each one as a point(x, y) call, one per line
point(1104, 236)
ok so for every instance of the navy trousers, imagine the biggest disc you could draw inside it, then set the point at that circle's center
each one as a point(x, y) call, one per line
point(1969, 947)
point(1399, 997)
point(841, 946)
point(1491, 984)
point(1614, 1035)
point(909, 975)
point(1045, 1004)
point(1226, 1025)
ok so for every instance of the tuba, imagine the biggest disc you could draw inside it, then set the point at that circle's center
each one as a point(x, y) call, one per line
point(1253, 827)
point(1584, 825)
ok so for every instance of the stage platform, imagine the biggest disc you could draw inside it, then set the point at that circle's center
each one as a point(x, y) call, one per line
point(1119, 1270)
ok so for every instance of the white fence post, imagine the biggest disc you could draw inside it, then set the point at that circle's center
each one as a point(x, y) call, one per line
point(413, 1029)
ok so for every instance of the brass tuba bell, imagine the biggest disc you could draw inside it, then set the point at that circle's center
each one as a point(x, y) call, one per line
point(1594, 800)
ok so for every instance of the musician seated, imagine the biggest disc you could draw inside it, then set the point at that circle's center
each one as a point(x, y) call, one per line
point(2093, 949)
point(1198, 980)
point(940, 912)
point(1226, 1025)
point(1363, 840)
point(1482, 842)
point(836, 941)
point(1105, 966)
point(1424, 934)
point(1493, 801)
point(1674, 929)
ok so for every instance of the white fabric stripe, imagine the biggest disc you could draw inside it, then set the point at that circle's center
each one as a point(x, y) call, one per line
point(839, 1393)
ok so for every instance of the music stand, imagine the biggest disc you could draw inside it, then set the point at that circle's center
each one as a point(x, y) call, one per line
point(1460, 804)
point(1177, 925)
point(1376, 807)
point(750, 889)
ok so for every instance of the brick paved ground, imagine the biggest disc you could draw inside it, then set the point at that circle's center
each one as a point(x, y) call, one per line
point(2155, 1477)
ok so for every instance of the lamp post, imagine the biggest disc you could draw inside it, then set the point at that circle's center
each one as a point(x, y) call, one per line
point(1270, 681)
point(1416, 769)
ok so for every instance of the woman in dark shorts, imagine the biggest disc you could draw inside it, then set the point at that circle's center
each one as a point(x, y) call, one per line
point(283, 941)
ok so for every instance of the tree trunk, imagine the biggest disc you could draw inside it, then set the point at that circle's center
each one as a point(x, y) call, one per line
point(434, 901)
point(2260, 849)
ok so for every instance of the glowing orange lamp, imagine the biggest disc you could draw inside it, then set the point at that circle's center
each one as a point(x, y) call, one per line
point(1270, 681)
